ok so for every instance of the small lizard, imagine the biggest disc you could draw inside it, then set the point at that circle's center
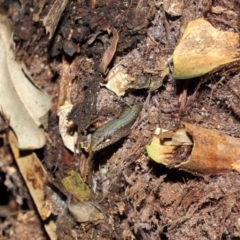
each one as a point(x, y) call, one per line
point(116, 129)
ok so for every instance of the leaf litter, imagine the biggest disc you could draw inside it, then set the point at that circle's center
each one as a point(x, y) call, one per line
point(134, 197)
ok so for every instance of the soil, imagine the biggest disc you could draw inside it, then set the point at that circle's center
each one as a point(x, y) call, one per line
point(138, 198)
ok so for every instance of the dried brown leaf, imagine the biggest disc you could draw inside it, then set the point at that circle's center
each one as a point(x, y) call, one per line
point(213, 152)
point(35, 175)
point(109, 53)
point(204, 48)
point(51, 20)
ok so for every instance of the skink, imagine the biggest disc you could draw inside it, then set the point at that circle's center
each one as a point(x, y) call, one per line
point(116, 129)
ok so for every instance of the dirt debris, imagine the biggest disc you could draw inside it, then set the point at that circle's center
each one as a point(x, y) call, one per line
point(138, 198)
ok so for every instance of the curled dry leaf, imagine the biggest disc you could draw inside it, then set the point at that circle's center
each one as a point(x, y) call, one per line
point(119, 80)
point(204, 48)
point(23, 103)
point(212, 151)
point(35, 177)
point(64, 107)
point(109, 53)
point(67, 75)
point(68, 140)
point(51, 20)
